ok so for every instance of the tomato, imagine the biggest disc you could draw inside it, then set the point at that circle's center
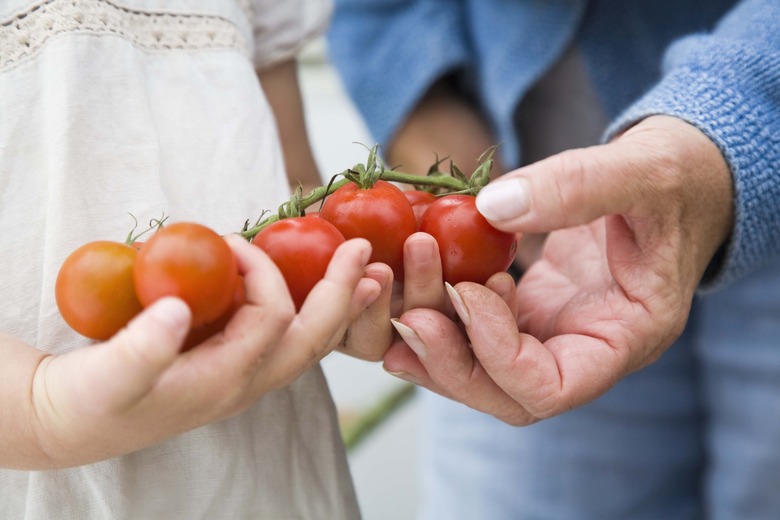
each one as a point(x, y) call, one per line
point(301, 247)
point(189, 261)
point(200, 334)
point(380, 214)
point(470, 248)
point(420, 200)
point(94, 290)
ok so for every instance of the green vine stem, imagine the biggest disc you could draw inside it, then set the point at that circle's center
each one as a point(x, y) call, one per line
point(365, 175)
point(358, 430)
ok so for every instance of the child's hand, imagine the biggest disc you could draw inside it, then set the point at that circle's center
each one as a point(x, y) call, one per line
point(138, 389)
point(371, 332)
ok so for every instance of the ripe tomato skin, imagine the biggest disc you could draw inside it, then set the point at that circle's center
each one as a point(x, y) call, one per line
point(380, 214)
point(420, 200)
point(94, 290)
point(301, 247)
point(470, 248)
point(192, 262)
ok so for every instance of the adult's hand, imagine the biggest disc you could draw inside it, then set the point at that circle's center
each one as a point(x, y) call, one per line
point(633, 225)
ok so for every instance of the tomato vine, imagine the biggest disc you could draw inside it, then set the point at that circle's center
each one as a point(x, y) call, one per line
point(366, 175)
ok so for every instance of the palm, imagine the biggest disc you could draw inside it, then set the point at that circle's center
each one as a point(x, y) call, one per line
point(589, 286)
point(563, 292)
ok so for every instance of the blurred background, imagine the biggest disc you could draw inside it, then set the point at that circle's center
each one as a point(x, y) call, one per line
point(382, 459)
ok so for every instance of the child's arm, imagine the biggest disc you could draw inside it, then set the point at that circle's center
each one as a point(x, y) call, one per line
point(137, 389)
point(280, 84)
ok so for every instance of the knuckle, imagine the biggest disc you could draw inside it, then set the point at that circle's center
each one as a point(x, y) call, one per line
point(664, 176)
point(570, 179)
point(280, 315)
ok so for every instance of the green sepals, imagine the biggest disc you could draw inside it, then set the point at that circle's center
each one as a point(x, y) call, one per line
point(366, 174)
point(292, 207)
point(481, 175)
point(154, 224)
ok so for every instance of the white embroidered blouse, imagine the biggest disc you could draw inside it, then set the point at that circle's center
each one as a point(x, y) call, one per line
point(110, 107)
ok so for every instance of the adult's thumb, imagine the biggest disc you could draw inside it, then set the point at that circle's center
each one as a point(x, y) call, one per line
point(565, 190)
point(141, 352)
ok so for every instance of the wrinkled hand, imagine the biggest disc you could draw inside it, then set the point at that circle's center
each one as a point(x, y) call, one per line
point(633, 225)
point(138, 388)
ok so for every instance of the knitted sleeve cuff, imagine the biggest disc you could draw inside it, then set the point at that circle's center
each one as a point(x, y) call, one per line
point(732, 94)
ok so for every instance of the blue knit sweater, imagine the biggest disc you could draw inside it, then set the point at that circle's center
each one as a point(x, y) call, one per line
point(713, 63)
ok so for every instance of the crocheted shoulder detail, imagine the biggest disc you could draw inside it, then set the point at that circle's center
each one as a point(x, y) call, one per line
point(24, 34)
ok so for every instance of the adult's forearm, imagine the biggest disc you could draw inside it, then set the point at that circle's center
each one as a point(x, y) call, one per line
point(727, 84)
point(443, 124)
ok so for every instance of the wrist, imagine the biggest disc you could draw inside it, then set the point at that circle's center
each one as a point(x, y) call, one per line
point(695, 176)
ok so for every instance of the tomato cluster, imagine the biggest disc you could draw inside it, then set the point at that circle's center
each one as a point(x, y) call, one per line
point(470, 248)
point(102, 285)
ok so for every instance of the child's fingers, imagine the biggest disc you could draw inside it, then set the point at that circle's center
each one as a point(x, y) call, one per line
point(260, 324)
point(324, 315)
point(370, 334)
point(423, 285)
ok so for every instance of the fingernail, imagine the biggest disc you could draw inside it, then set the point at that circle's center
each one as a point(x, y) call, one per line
point(411, 338)
point(504, 199)
point(365, 256)
point(457, 302)
point(371, 297)
point(171, 312)
point(420, 251)
point(505, 287)
point(406, 376)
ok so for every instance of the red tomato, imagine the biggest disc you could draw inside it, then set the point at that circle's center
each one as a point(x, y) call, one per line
point(301, 247)
point(200, 334)
point(470, 248)
point(381, 214)
point(189, 261)
point(94, 289)
point(420, 200)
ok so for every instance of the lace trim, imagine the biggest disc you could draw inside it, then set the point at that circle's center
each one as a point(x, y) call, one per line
point(24, 34)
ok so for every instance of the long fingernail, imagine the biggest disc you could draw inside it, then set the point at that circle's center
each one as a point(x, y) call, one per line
point(504, 199)
point(411, 338)
point(457, 302)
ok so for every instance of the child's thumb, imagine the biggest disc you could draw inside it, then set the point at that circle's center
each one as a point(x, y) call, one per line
point(146, 348)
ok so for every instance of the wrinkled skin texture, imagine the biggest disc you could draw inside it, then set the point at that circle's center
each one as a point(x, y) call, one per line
point(632, 227)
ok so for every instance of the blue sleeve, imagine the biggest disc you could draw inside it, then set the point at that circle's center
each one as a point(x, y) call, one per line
point(389, 52)
point(727, 83)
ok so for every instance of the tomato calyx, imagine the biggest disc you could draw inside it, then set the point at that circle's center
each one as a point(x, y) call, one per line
point(365, 175)
point(154, 224)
